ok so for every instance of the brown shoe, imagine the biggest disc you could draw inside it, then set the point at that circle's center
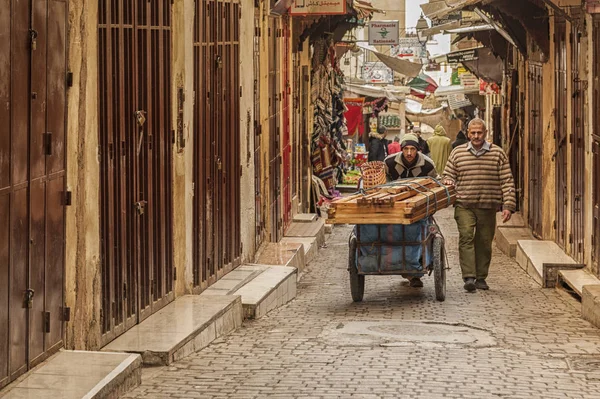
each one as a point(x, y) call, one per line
point(470, 284)
point(480, 284)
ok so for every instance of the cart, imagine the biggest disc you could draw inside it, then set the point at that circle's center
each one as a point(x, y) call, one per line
point(409, 250)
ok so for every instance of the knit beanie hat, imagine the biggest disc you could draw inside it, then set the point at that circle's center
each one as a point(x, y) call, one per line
point(410, 139)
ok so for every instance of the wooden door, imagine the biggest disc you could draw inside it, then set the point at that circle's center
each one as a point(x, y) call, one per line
point(596, 146)
point(560, 134)
point(535, 93)
point(286, 150)
point(135, 145)
point(578, 95)
point(217, 169)
point(32, 182)
point(274, 131)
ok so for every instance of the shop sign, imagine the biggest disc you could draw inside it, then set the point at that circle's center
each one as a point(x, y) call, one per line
point(409, 41)
point(469, 81)
point(318, 7)
point(376, 72)
point(593, 6)
point(462, 56)
point(383, 32)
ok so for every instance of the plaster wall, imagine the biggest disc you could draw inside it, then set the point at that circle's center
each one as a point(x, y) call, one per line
point(82, 247)
point(183, 155)
point(248, 209)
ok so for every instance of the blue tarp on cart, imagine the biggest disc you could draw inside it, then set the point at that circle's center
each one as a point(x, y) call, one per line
point(394, 256)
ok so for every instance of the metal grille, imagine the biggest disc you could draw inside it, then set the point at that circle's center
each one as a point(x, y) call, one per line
point(560, 134)
point(577, 150)
point(259, 202)
point(274, 131)
point(286, 151)
point(596, 146)
point(32, 182)
point(135, 142)
point(217, 239)
point(535, 148)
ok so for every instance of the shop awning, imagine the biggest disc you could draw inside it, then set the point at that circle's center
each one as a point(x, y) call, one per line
point(438, 9)
point(403, 67)
point(486, 67)
point(413, 107)
point(392, 93)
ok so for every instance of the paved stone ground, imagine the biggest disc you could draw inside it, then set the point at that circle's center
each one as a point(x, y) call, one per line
point(537, 345)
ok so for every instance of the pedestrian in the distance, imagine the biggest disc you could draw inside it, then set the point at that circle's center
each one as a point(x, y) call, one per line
point(394, 147)
point(423, 147)
point(440, 147)
point(377, 145)
point(460, 140)
point(480, 171)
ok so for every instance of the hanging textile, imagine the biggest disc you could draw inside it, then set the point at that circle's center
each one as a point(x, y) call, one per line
point(354, 115)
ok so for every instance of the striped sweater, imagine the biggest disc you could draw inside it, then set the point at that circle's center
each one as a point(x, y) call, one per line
point(482, 182)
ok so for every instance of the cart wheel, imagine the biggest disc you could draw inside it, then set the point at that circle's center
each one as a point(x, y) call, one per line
point(439, 269)
point(357, 282)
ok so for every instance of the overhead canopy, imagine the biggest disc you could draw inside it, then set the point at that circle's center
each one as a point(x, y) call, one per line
point(413, 107)
point(423, 82)
point(486, 67)
point(438, 9)
point(403, 67)
point(392, 93)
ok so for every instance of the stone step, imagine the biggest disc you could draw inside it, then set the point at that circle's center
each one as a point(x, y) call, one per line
point(590, 304)
point(305, 217)
point(533, 254)
point(79, 374)
point(516, 220)
point(312, 229)
point(309, 243)
point(181, 328)
point(281, 254)
point(507, 238)
point(577, 279)
point(273, 287)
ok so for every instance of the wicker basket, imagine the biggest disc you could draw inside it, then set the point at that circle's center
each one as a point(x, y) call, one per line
point(373, 174)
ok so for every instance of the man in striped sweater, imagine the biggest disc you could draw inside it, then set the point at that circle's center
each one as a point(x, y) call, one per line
point(484, 183)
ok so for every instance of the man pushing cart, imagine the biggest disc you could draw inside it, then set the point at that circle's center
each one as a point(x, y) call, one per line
point(395, 233)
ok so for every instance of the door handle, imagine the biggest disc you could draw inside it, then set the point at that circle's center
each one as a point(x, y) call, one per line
point(28, 298)
point(140, 207)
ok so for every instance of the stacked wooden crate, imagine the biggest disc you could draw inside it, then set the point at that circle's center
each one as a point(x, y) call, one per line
point(401, 202)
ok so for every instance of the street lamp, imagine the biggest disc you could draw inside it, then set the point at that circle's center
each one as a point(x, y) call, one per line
point(422, 25)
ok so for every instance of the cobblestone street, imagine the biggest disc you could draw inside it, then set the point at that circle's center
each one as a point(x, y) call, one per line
point(514, 341)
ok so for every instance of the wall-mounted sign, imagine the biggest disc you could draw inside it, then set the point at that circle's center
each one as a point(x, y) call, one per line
point(410, 41)
point(318, 7)
point(462, 56)
point(469, 81)
point(383, 32)
point(376, 72)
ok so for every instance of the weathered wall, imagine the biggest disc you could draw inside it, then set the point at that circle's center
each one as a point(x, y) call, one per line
point(548, 167)
point(247, 134)
point(183, 156)
point(82, 274)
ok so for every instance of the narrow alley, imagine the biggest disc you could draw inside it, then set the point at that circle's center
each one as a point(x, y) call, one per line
point(515, 341)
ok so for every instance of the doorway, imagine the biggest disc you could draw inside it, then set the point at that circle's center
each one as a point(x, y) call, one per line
point(32, 183)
